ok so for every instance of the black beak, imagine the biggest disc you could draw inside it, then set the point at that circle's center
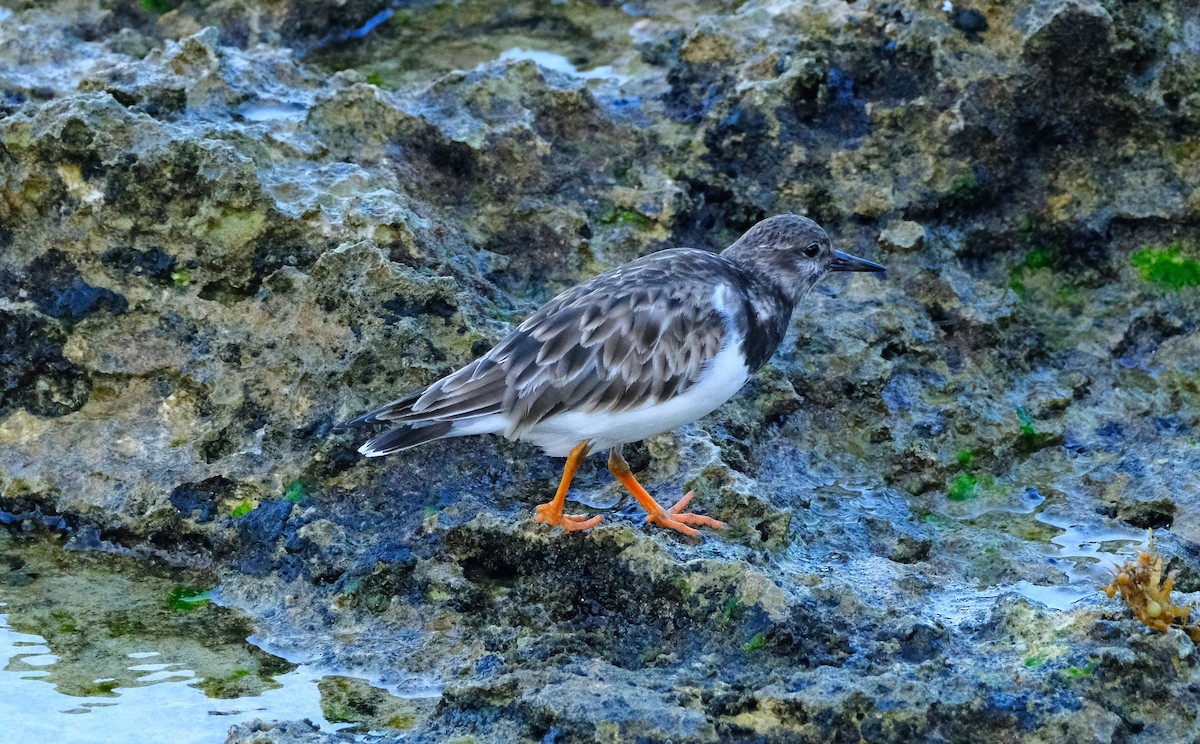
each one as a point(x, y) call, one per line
point(846, 262)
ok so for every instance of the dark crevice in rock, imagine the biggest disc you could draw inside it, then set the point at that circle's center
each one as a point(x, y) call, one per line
point(34, 374)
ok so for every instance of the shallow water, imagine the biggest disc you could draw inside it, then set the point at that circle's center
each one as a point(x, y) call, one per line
point(162, 705)
point(92, 650)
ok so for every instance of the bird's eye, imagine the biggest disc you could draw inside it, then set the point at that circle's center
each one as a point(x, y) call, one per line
point(812, 250)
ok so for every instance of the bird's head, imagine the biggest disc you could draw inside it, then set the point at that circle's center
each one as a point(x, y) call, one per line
point(792, 252)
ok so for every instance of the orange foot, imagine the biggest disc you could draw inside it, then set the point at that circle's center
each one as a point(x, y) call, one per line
point(674, 518)
point(548, 514)
point(677, 519)
point(552, 511)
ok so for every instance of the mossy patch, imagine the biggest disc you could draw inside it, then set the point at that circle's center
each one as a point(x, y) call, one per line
point(1167, 267)
point(188, 598)
point(628, 216)
point(243, 507)
point(295, 492)
point(964, 487)
point(1035, 661)
point(1030, 439)
point(731, 610)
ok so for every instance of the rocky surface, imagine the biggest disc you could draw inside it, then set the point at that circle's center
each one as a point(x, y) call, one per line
point(214, 246)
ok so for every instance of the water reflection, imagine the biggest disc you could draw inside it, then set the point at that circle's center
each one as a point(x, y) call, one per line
point(93, 650)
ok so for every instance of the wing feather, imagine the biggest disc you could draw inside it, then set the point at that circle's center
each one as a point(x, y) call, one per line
point(637, 334)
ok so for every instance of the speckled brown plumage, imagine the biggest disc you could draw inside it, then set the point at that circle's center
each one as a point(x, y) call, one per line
point(640, 349)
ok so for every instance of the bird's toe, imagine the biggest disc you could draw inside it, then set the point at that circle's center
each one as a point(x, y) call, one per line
point(546, 514)
point(676, 519)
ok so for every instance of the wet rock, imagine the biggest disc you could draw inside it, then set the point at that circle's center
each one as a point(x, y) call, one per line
point(276, 732)
point(903, 237)
point(216, 248)
point(200, 501)
point(970, 21)
point(58, 290)
point(349, 700)
point(34, 373)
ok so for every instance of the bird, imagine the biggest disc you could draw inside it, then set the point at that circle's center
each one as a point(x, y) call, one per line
point(638, 350)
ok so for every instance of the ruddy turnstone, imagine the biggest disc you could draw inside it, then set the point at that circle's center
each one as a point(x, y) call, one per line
point(641, 349)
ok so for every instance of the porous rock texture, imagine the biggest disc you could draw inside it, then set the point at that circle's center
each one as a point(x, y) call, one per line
point(216, 244)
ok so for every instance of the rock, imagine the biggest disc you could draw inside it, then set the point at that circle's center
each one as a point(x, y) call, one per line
point(903, 237)
point(274, 732)
point(350, 700)
point(229, 227)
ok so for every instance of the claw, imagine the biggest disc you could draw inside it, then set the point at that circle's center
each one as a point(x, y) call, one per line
point(570, 522)
point(552, 512)
point(676, 519)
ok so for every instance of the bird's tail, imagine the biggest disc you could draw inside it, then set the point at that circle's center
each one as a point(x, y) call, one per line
point(430, 422)
point(466, 402)
point(406, 436)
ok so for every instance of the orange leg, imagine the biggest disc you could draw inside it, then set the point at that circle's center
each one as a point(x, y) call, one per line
point(674, 518)
point(552, 512)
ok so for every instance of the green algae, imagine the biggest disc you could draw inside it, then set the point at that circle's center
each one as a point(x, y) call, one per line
point(1037, 660)
point(1067, 293)
point(1026, 420)
point(103, 616)
point(964, 188)
point(350, 700)
point(627, 216)
point(188, 598)
point(757, 643)
point(1037, 259)
point(1075, 672)
point(731, 610)
point(103, 688)
point(157, 7)
point(964, 457)
point(1030, 439)
point(1167, 267)
point(66, 623)
point(244, 507)
point(964, 487)
point(295, 492)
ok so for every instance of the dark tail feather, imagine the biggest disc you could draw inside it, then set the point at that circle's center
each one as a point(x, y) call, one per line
point(392, 410)
point(403, 437)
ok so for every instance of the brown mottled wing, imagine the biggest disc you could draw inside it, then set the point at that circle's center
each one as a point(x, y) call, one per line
point(639, 333)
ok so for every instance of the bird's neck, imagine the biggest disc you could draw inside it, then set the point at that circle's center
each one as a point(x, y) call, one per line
point(763, 318)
